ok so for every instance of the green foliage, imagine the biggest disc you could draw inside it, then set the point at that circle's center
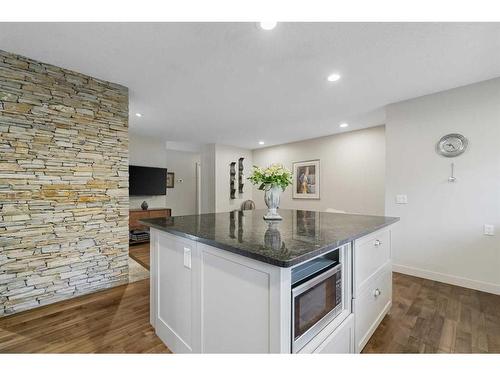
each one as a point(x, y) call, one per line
point(274, 175)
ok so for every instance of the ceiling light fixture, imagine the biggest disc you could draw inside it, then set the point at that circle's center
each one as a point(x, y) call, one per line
point(261, 142)
point(333, 77)
point(268, 25)
point(344, 125)
point(138, 114)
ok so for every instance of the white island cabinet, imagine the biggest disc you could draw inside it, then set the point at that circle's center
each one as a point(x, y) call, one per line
point(205, 299)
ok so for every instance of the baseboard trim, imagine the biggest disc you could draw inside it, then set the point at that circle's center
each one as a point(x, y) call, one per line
point(448, 279)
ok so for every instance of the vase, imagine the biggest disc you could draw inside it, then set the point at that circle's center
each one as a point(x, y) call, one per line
point(144, 205)
point(272, 199)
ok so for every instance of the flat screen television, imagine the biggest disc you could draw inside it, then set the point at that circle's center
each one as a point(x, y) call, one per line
point(147, 180)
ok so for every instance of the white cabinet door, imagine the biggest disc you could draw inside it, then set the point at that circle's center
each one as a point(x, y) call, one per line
point(235, 307)
point(372, 304)
point(243, 306)
point(176, 294)
point(370, 254)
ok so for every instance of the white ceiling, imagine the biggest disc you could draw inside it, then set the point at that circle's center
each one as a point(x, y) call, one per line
point(236, 84)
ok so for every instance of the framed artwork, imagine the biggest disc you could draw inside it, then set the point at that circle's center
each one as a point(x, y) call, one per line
point(170, 180)
point(306, 180)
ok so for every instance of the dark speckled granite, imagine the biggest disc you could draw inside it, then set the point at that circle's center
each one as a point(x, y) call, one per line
point(299, 236)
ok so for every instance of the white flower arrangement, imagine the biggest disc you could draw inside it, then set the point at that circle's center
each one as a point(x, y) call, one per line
point(274, 175)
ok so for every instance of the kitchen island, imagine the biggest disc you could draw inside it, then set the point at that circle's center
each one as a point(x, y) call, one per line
point(233, 282)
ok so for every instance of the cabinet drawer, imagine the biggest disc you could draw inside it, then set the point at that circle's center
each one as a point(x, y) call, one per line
point(334, 338)
point(159, 213)
point(371, 304)
point(340, 341)
point(134, 218)
point(370, 253)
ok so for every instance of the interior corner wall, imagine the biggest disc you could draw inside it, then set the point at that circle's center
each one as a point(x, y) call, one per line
point(440, 235)
point(63, 184)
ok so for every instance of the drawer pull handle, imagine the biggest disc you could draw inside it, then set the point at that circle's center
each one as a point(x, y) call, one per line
point(377, 243)
point(377, 292)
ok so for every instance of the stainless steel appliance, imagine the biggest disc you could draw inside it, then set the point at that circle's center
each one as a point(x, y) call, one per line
point(318, 293)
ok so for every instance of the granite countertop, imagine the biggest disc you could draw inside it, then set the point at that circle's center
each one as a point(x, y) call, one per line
point(301, 235)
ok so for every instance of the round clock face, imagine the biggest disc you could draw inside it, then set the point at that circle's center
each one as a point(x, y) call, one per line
point(451, 145)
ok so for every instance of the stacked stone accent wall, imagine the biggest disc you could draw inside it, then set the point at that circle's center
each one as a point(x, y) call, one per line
point(63, 184)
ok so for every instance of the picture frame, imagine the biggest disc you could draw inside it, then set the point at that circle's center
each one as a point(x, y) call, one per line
point(170, 180)
point(306, 179)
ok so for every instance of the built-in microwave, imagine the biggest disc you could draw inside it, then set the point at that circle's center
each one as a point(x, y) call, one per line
point(317, 295)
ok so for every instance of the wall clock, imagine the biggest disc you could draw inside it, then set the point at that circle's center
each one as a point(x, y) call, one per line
point(452, 145)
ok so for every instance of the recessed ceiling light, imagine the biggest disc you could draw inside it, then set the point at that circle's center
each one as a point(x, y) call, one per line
point(344, 125)
point(138, 114)
point(333, 77)
point(261, 142)
point(268, 25)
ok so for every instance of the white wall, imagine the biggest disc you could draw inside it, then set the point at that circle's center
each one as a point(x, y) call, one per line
point(440, 235)
point(182, 198)
point(352, 167)
point(152, 152)
point(223, 157)
point(207, 178)
point(148, 152)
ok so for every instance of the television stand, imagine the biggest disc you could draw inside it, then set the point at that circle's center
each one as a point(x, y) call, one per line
point(138, 214)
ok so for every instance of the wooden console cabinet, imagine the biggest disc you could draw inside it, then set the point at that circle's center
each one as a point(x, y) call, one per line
point(139, 214)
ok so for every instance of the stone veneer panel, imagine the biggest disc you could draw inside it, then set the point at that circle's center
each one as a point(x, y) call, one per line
point(63, 184)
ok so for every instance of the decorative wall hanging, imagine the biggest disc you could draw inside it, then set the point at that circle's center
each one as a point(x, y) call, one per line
point(232, 178)
point(452, 145)
point(306, 180)
point(452, 178)
point(240, 175)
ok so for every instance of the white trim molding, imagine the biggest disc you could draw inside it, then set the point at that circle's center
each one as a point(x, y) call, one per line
point(448, 279)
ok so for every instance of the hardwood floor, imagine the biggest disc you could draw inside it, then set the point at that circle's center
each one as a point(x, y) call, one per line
point(432, 317)
point(112, 321)
point(426, 317)
point(140, 253)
